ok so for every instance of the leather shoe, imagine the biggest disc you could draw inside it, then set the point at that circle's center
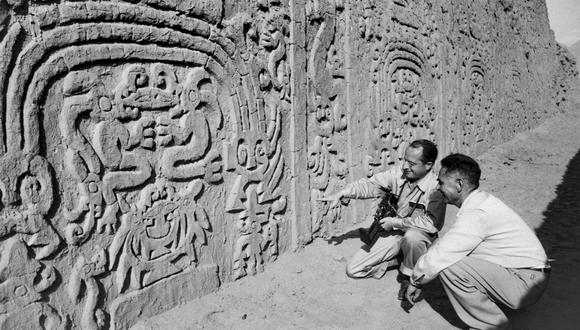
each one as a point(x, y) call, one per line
point(403, 290)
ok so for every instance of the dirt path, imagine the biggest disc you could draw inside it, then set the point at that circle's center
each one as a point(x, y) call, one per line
point(537, 173)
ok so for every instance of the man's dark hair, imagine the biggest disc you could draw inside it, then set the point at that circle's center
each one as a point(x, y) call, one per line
point(465, 166)
point(429, 150)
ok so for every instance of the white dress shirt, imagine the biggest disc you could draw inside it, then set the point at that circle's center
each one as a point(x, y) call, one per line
point(487, 229)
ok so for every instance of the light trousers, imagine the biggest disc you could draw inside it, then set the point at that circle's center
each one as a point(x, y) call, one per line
point(477, 289)
point(371, 261)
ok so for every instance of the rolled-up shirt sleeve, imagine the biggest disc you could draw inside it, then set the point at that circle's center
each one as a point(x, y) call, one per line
point(431, 219)
point(462, 238)
point(372, 187)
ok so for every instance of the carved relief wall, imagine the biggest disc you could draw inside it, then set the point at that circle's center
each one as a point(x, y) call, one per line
point(466, 75)
point(142, 148)
point(151, 150)
point(328, 158)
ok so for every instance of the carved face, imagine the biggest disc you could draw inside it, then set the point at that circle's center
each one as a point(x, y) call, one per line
point(324, 118)
point(95, 194)
point(248, 225)
point(159, 219)
point(252, 152)
point(269, 34)
point(142, 90)
point(476, 79)
point(30, 191)
point(405, 87)
point(334, 61)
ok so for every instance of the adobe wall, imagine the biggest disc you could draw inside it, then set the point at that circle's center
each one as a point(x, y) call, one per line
point(151, 150)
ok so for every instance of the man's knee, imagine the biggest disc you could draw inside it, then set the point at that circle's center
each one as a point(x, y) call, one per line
point(413, 239)
point(354, 272)
point(351, 273)
point(447, 273)
point(456, 270)
point(450, 275)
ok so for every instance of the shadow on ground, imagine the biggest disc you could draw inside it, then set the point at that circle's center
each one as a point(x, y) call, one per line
point(435, 296)
point(560, 231)
point(560, 236)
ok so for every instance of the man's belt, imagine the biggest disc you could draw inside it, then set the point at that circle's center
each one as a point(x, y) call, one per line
point(542, 270)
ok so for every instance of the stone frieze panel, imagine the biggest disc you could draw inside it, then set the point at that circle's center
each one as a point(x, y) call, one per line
point(327, 109)
point(401, 107)
point(399, 43)
point(119, 124)
point(253, 150)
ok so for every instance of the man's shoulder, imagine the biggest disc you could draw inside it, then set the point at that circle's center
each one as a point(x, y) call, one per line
point(483, 197)
point(392, 172)
point(429, 182)
point(388, 178)
point(483, 201)
point(491, 203)
point(490, 207)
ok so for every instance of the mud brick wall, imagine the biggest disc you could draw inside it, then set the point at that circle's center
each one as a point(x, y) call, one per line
point(151, 150)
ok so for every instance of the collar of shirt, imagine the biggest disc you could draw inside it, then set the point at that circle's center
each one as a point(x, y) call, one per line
point(422, 183)
point(472, 200)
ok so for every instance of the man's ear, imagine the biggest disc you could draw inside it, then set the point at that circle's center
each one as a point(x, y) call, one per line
point(460, 184)
point(429, 166)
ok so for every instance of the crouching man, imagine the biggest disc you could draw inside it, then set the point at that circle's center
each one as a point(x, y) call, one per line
point(489, 259)
point(420, 212)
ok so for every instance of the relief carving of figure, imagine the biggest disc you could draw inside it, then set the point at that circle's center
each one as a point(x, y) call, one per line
point(140, 154)
point(22, 283)
point(264, 48)
point(27, 195)
point(149, 122)
point(253, 152)
point(160, 228)
point(256, 197)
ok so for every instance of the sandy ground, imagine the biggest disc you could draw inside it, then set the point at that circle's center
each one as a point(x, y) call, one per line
point(537, 173)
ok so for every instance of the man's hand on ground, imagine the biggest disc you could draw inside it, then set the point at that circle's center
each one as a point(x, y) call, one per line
point(412, 294)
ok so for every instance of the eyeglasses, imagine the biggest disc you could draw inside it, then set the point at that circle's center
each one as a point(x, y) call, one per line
point(410, 163)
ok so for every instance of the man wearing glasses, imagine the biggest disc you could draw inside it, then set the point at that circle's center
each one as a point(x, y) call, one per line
point(420, 212)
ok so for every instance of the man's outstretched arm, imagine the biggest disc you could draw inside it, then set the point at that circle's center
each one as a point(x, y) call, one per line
point(372, 187)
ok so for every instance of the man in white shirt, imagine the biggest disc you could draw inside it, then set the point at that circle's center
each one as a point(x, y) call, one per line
point(420, 214)
point(489, 259)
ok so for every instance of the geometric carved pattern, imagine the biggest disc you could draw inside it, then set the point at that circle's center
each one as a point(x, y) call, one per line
point(118, 108)
point(327, 122)
point(477, 105)
point(400, 112)
point(148, 124)
point(253, 151)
